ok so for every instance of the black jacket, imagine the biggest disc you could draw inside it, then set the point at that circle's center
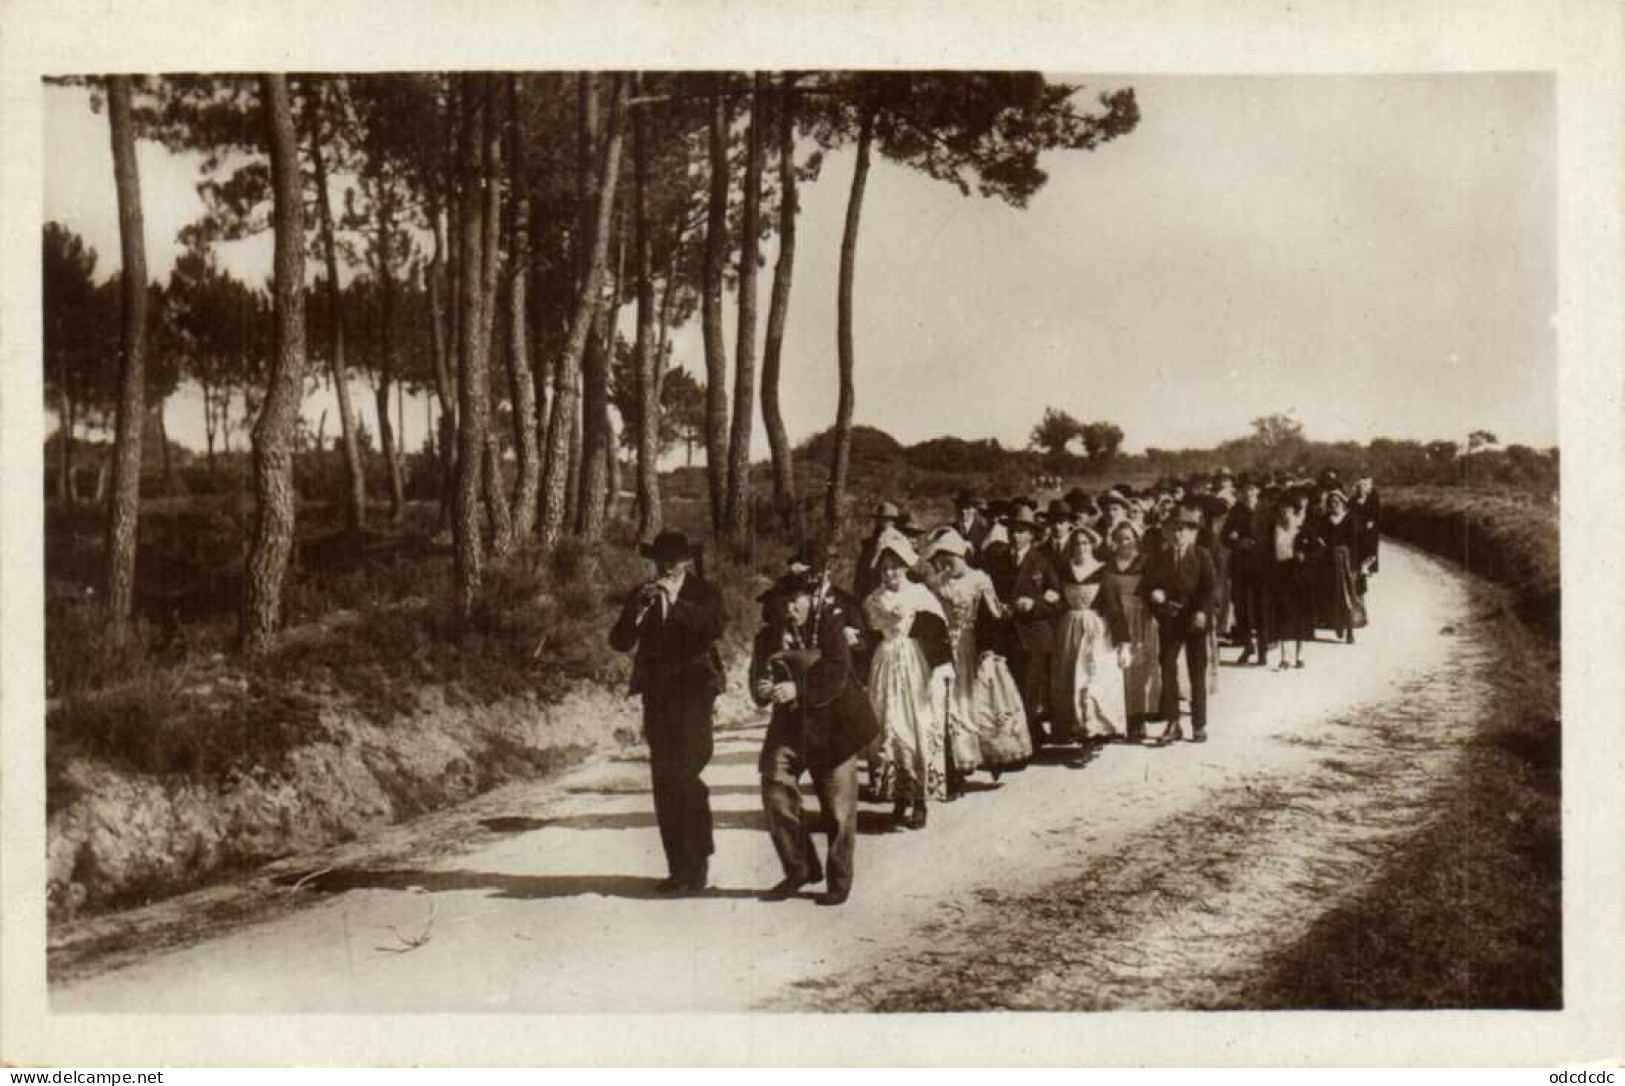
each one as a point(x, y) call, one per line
point(831, 719)
point(1189, 584)
point(675, 654)
point(1032, 579)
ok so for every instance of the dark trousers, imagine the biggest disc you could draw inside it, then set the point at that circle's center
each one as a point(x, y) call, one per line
point(1247, 601)
point(1175, 636)
point(1030, 668)
point(679, 733)
point(837, 791)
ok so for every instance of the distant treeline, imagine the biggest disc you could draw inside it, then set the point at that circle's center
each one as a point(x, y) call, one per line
point(936, 467)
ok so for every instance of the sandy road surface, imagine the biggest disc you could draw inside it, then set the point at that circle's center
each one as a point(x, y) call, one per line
point(539, 897)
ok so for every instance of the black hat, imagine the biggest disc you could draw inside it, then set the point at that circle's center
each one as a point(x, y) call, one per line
point(1022, 516)
point(966, 500)
point(1059, 512)
point(669, 545)
point(789, 584)
point(905, 524)
point(998, 508)
point(887, 511)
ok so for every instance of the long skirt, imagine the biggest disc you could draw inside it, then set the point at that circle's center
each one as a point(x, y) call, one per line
point(998, 715)
point(1336, 593)
point(911, 763)
point(1142, 679)
point(966, 743)
point(1083, 665)
point(1287, 608)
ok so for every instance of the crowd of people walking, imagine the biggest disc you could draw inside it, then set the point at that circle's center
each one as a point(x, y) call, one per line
point(973, 645)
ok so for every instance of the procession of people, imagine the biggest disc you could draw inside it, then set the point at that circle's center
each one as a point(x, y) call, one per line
point(975, 645)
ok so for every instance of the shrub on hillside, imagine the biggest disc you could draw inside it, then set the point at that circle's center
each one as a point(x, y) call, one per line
point(1512, 539)
point(869, 445)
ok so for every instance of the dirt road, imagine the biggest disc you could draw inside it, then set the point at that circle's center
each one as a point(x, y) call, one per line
point(1153, 877)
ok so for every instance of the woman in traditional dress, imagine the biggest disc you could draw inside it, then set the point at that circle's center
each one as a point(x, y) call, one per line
point(1284, 574)
point(1083, 661)
point(985, 713)
point(1338, 606)
point(1134, 634)
point(908, 693)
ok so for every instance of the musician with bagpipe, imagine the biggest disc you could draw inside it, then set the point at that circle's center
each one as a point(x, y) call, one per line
point(801, 665)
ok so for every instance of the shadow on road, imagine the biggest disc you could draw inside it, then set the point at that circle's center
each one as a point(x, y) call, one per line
point(618, 820)
point(869, 821)
point(520, 887)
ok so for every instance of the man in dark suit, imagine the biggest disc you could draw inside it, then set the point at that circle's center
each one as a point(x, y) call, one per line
point(801, 665)
point(1366, 509)
point(1026, 582)
point(672, 624)
point(1180, 585)
point(1242, 532)
point(970, 523)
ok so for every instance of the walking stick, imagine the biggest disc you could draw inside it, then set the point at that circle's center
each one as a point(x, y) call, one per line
point(947, 731)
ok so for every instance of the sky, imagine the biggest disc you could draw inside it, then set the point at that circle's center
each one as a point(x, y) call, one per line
point(1375, 255)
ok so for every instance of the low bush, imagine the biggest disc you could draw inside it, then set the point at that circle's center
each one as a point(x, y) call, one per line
point(1509, 538)
point(162, 723)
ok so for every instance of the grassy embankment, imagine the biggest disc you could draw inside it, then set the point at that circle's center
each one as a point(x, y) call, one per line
point(370, 621)
point(1468, 913)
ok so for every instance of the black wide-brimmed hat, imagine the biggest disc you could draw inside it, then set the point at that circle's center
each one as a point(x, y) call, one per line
point(905, 524)
point(886, 511)
point(1022, 517)
point(668, 546)
point(966, 500)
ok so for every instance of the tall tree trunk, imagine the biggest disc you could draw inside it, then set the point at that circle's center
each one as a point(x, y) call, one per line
point(738, 498)
point(587, 150)
point(125, 508)
point(648, 381)
point(439, 342)
point(442, 337)
point(668, 301)
point(496, 497)
point(163, 445)
point(612, 470)
point(496, 483)
point(567, 391)
point(598, 480)
point(472, 392)
point(355, 509)
point(386, 360)
point(209, 428)
point(64, 477)
point(595, 427)
point(521, 381)
point(104, 469)
point(273, 432)
point(778, 309)
point(716, 350)
point(597, 442)
point(539, 369)
point(841, 458)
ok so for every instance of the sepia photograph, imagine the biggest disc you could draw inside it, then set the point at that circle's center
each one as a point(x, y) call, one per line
point(875, 541)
